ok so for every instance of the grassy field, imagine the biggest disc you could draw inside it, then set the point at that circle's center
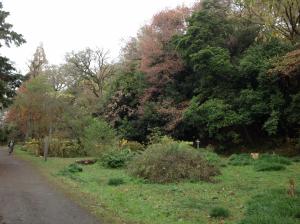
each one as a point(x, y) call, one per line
point(251, 197)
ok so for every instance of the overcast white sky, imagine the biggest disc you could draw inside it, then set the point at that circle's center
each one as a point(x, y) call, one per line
point(66, 25)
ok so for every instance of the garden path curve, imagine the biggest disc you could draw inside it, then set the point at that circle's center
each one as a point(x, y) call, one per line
point(27, 198)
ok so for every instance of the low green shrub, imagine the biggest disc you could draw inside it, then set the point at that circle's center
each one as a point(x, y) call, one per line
point(240, 159)
point(211, 157)
point(71, 171)
point(117, 158)
point(268, 166)
point(219, 212)
point(274, 206)
point(171, 161)
point(268, 158)
point(116, 181)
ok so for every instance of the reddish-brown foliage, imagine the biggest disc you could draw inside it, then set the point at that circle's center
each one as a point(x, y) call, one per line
point(154, 39)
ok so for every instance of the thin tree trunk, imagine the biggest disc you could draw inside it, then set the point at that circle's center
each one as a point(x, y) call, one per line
point(47, 141)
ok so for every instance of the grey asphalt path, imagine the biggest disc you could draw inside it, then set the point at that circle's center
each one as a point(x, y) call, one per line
point(27, 198)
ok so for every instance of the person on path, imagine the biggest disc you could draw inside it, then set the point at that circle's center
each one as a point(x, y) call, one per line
point(11, 145)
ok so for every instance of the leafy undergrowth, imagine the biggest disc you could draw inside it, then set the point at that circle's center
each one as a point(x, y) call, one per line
point(241, 190)
point(71, 171)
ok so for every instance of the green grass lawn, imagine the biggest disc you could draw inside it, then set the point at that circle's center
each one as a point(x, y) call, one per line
point(251, 197)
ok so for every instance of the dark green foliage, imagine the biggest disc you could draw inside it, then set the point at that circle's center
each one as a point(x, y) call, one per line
point(211, 157)
point(116, 181)
point(296, 159)
point(9, 80)
point(274, 207)
point(219, 212)
point(121, 108)
point(212, 119)
point(171, 161)
point(240, 160)
point(233, 87)
point(268, 166)
point(117, 158)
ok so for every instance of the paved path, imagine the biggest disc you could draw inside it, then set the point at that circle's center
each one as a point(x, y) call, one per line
point(26, 198)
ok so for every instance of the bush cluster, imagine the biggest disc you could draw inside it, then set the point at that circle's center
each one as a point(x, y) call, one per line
point(58, 147)
point(117, 158)
point(171, 161)
point(65, 148)
point(133, 146)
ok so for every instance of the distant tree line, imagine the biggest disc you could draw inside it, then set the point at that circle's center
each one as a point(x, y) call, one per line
point(224, 72)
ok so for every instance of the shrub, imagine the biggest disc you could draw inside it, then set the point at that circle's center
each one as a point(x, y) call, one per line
point(33, 147)
point(65, 148)
point(240, 159)
point(58, 147)
point(99, 137)
point(171, 161)
point(268, 166)
point(115, 181)
point(133, 146)
point(70, 170)
point(211, 157)
point(117, 158)
point(267, 158)
point(219, 212)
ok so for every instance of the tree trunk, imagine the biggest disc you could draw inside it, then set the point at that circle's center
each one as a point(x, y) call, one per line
point(47, 141)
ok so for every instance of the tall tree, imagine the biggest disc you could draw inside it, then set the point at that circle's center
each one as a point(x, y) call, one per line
point(38, 62)
point(92, 67)
point(9, 79)
point(280, 16)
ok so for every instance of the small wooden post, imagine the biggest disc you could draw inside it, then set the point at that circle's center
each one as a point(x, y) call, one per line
point(198, 143)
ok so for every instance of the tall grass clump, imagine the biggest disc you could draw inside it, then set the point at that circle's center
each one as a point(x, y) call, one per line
point(219, 212)
point(171, 161)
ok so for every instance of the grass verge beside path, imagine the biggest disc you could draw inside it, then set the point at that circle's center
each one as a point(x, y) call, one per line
point(134, 201)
